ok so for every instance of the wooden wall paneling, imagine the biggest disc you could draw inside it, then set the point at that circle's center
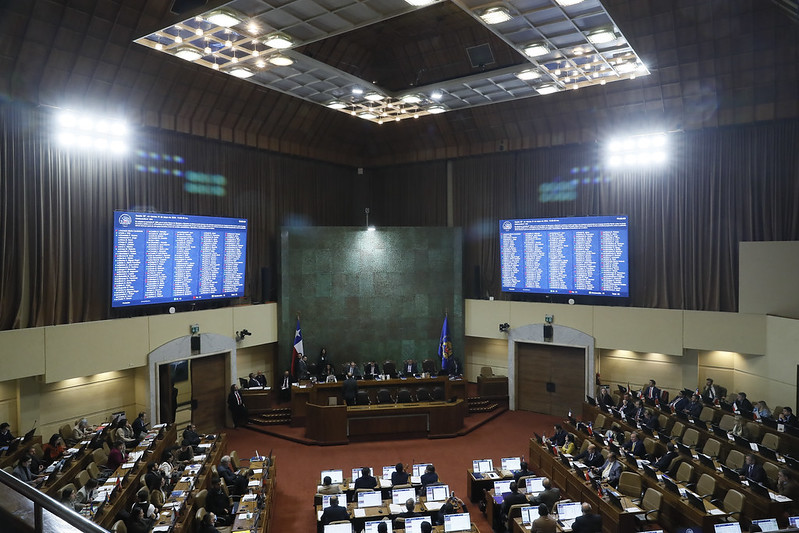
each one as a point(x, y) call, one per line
point(533, 367)
point(209, 389)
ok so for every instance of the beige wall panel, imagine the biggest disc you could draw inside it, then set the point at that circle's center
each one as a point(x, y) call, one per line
point(483, 318)
point(22, 353)
point(639, 329)
point(94, 397)
point(141, 389)
point(253, 359)
point(164, 328)
point(8, 405)
point(720, 366)
point(89, 348)
point(579, 317)
point(734, 332)
point(485, 352)
point(767, 278)
point(622, 366)
point(260, 320)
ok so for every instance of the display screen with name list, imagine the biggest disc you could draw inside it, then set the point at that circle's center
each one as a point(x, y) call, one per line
point(162, 258)
point(576, 255)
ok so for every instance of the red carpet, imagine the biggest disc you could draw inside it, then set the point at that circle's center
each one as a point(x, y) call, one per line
point(298, 465)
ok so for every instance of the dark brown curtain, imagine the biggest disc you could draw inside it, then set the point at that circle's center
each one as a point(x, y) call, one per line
point(720, 187)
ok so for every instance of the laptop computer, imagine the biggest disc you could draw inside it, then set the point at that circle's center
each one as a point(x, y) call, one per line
point(501, 487)
point(437, 493)
point(356, 472)
point(29, 435)
point(740, 441)
point(538, 438)
point(614, 498)
point(482, 465)
point(414, 524)
point(793, 521)
point(650, 472)
point(759, 489)
point(372, 498)
point(664, 437)
point(671, 485)
point(457, 522)
point(512, 464)
point(727, 527)
point(706, 460)
point(729, 473)
point(767, 524)
point(326, 500)
point(336, 476)
point(534, 485)
point(529, 515)
point(767, 452)
point(565, 460)
point(419, 469)
point(388, 470)
point(338, 528)
point(696, 501)
point(717, 431)
point(567, 512)
point(769, 422)
point(400, 496)
point(371, 526)
point(590, 400)
point(683, 449)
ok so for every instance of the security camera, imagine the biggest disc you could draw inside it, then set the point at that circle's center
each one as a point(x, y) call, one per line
point(504, 327)
point(241, 334)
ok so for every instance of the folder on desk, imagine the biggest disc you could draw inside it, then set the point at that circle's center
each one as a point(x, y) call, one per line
point(433, 506)
point(359, 513)
point(396, 509)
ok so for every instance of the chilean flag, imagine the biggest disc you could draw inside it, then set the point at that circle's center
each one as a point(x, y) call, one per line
point(298, 349)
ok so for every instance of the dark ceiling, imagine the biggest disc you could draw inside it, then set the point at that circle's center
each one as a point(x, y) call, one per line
point(712, 63)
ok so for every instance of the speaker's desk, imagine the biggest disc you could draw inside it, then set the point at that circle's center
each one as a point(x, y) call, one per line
point(338, 424)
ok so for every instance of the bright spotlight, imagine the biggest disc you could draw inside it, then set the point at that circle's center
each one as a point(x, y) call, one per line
point(638, 150)
point(91, 133)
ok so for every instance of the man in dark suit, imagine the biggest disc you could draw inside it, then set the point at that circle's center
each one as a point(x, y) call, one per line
point(349, 389)
point(366, 481)
point(218, 502)
point(711, 392)
point(787, 417)
point(371, 369)
point(525, 471)
point(429, 477)
point(752, 470)
point(741, 404)
point(399, 476)
point(410, 506)
point(409, 367)
point(334, 512)
point(285, 386)
point(588, 522)
point(559, 437)
point(237, 408)
point(665, 460)
point(140, 426)
point(512, 498)
point(190, 435)
point(694, 408)
point(605, 399)
point(651, 393)
point(252, 381)
point(635, 445)
point(611, 470)
point(261, 378)
point(549, 497)
point(591, 456)
point(638, 411)
point(679, 403)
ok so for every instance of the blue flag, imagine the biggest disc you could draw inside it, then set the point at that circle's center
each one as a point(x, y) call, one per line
point(444, 345)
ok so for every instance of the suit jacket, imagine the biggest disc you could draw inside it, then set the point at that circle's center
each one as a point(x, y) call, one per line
point(587, 523)
point(512, 499)
point(710, 393)
point(521, 473)
point(333, 513)
point(615, 472)
point(410, 369)
point(235, 400)
point(349, 389)
point(754, 472)
point(370, 369)
point(665, 460)
point(253, 382)
point(744, 406)
point(606, 399)
point(679, 404)
point(559, 438)
point(638, 448)
point(549, 497)
point(544, 524)
point(651, 392)
point(399, 478)
point(139, 428)
point(596, 460)
point(694, 409)
point(428, 478)
point(366, 482)
point(261, 380)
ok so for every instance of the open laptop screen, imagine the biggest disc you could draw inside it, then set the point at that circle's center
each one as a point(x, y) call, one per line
point(529, 514)
point(437, 493)
point(371, 527)
point(569, 510)
point(767, 524)
point(326, 500)
point(400, 496)
point(457, 522)
point(336, 476)
point(370, 499)
point(501, 487)
point(418, 469)
point(388, 470)
point(356, 472)
point(338, 528)
point(727, 527)
point(793, 521)
point(414, 524)
point(511, 463)
point(483, 465)
point(534, 485)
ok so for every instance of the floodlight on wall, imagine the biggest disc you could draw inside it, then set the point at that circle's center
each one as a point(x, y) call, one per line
point(223, 17)
point(536, 50)
point(639, 150)
point(278, 40)
point(189, 53)
point(495, 15)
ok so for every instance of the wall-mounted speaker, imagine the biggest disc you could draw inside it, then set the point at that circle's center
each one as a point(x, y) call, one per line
point(548, 332)
point(195, 344)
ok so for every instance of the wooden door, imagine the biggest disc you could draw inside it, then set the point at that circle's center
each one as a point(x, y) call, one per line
point(543, 366)
point(209, 391)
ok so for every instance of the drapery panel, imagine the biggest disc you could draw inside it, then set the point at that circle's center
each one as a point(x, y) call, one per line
point(719, 188)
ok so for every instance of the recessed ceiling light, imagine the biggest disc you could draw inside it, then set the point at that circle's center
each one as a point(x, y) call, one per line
point(436, 109)
point(357, 90)
point(420, 3)
point(189, 53)
point(224, 18)
point(336, 104)
point(280, 60)
point(374, 97)
point(495, 15)
point(367, 115)
point(536, 50)
point(602, 36)
point(547, 89)
point(411, 99)
point(241, 72)
point(436, 95)
point(278, 40)
point(567, 3)
point(529, 74)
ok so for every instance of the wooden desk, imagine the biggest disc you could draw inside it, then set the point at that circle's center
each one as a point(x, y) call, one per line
point(475, 486)
point(257, 400)
point(11, 460)
point(492, 386)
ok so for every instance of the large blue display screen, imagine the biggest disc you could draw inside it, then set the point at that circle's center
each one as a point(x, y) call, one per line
point(160, 258)
point(577, 255)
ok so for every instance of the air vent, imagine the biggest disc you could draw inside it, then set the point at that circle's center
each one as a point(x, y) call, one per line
point(480, 55)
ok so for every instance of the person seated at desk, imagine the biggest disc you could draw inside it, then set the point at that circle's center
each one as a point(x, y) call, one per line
point(568, 446)
point(68, 499)
point(559, 437)
point(190, 435)
point(334, 512)
point(650, 420)
point(153, 476)
point(371, 369)
point(218, 503)
point(454, 367)
point(124, 432)
point(679, 403)
point(399, 476)
point(186, 452)
point(635, 445)
point(354, 370)
point(637, 412)
point(544, 523)
point(6, 437)
point(651, 393)
point(328, 374)
point(82, 431)
point(137, 523)
point(285, 387)
point(140, 426)
point(409, 512)
point(525, 471)
point(512, 498)
point(252, 381)
point(453, 505)
point(409, 367)
point(611, 470)
point(762, 411)
point(236, 482)
point(328, 487)
point(54, 449)
point(259, 376)
point(207, 524)
point(663, 463)
point(625, 399)
point(143, 503)
point(591, 457)
point(548, 497)
point(787, 417)
point(23, 472)
point(605, 399)
point(87, 492)
point(429, 477)
point(156, 487)
point(751, 470)
point(588, 522)
point(711, 392)
point(426, 527)
point(739, 427)
point(366, 481)
point(694, 407)
point(786, 486)
point(116, 457)
point(741, 404)
point(627, 407)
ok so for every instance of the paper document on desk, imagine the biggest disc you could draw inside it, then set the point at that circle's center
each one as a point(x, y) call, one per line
point(257, 470)
point(319, 515)
point(506, 473)
point(779, 497)
point(254, 483)
point(385, 483)
point(161, 528)
point(249, 497)
point(396, 509)
point(359, 513)
point(416, 480)
point(715, 511)
point(200, 457)
point(128, 465)
point(352, 486)
point(633, 509)
point(433, 506)
point(204, 445)
point(186, 479)
point(491, 475)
